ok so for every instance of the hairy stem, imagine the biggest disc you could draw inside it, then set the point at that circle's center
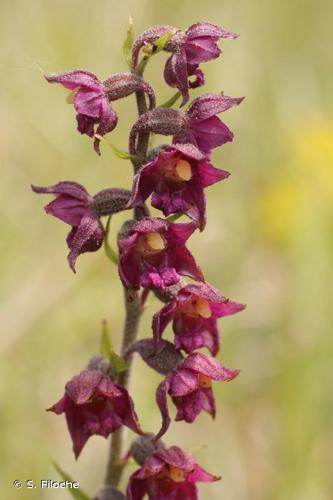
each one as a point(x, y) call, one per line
point(133, 309)
point(143, 138)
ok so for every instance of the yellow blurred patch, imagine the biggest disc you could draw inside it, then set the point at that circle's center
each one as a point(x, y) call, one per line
point(306, 180)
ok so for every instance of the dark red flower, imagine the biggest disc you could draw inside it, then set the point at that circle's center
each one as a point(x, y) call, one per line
point(75, 207)
point(177, 178)
point(188, 50)
point(190, 387)
point(153, 254)
point(194, 312)
point(93, 404)
point(168, 474)
point(92, 98)
point(196, 45)
point(203, 128)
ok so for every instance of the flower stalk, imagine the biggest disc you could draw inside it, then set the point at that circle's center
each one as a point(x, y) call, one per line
point(152, 257)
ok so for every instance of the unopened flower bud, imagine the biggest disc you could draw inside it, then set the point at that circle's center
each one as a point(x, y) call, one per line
point(144, 446)
point(111, 201)
point(164, 121)
point(121, 85)
point(100, 364)
point(164, 359)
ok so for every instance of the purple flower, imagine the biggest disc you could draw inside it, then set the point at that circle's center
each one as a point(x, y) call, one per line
point(74, 206)
point(93, 404)
point(168, 474)
point(194, 312)
point(190, 48)
point(203, 128)
point(190, 387)
point(199, 125)
point(177, 178)
point(153, 254)
point(92, 98)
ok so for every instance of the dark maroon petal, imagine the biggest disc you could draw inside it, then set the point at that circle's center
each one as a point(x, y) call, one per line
point(209, 175)
point(73, 189)
point(205, 335)
point(209, 134)
point(124, 407)
point(202, 363)
point(108, 121)
point(161, 319)
point(81, 387)
point(183, 382)
point(192, 404)
point(201, 50)
point(76, 78)
point(176, 75)
point(151, 225)
point(209, 105)
point(197, 210)
point(188, 150)
point(68, 209)
point(198, 474)
point(88, 102)
point(86, 124)
point(87, 237)
point(176, 457)
point(198, 74)
point(181, 232)
point(161, 399)
point(185, 264)
point(208, 30)
point(137, 488)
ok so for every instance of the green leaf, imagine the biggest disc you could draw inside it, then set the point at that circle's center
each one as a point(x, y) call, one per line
point(161, 42)
point(118, 152)
point(110, 253)
point(128, 43)
point(171, 101)
point(118, 364)
point(76, 493)
point(174, 217)
point(105, 345)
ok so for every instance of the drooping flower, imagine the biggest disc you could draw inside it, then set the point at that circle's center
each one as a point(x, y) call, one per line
point(92, 98)
point(199, 125)
point(153, 254)
point(190, 387)
point(168, 474)
point(188, 49)
point(203, 128)
point(194, 312)
point(93, 404)
point(76, 207)
point(177, 178)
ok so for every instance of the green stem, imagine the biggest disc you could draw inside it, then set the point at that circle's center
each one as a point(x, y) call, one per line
point(133, 309)
point(133, 312)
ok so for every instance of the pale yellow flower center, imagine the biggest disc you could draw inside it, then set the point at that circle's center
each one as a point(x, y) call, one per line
point(183, 170)
point(151, 243)
point(204, 381)
point(202, 308)
point(176, 474)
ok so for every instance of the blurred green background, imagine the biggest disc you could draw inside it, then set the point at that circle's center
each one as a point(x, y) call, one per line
point(268, 242)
